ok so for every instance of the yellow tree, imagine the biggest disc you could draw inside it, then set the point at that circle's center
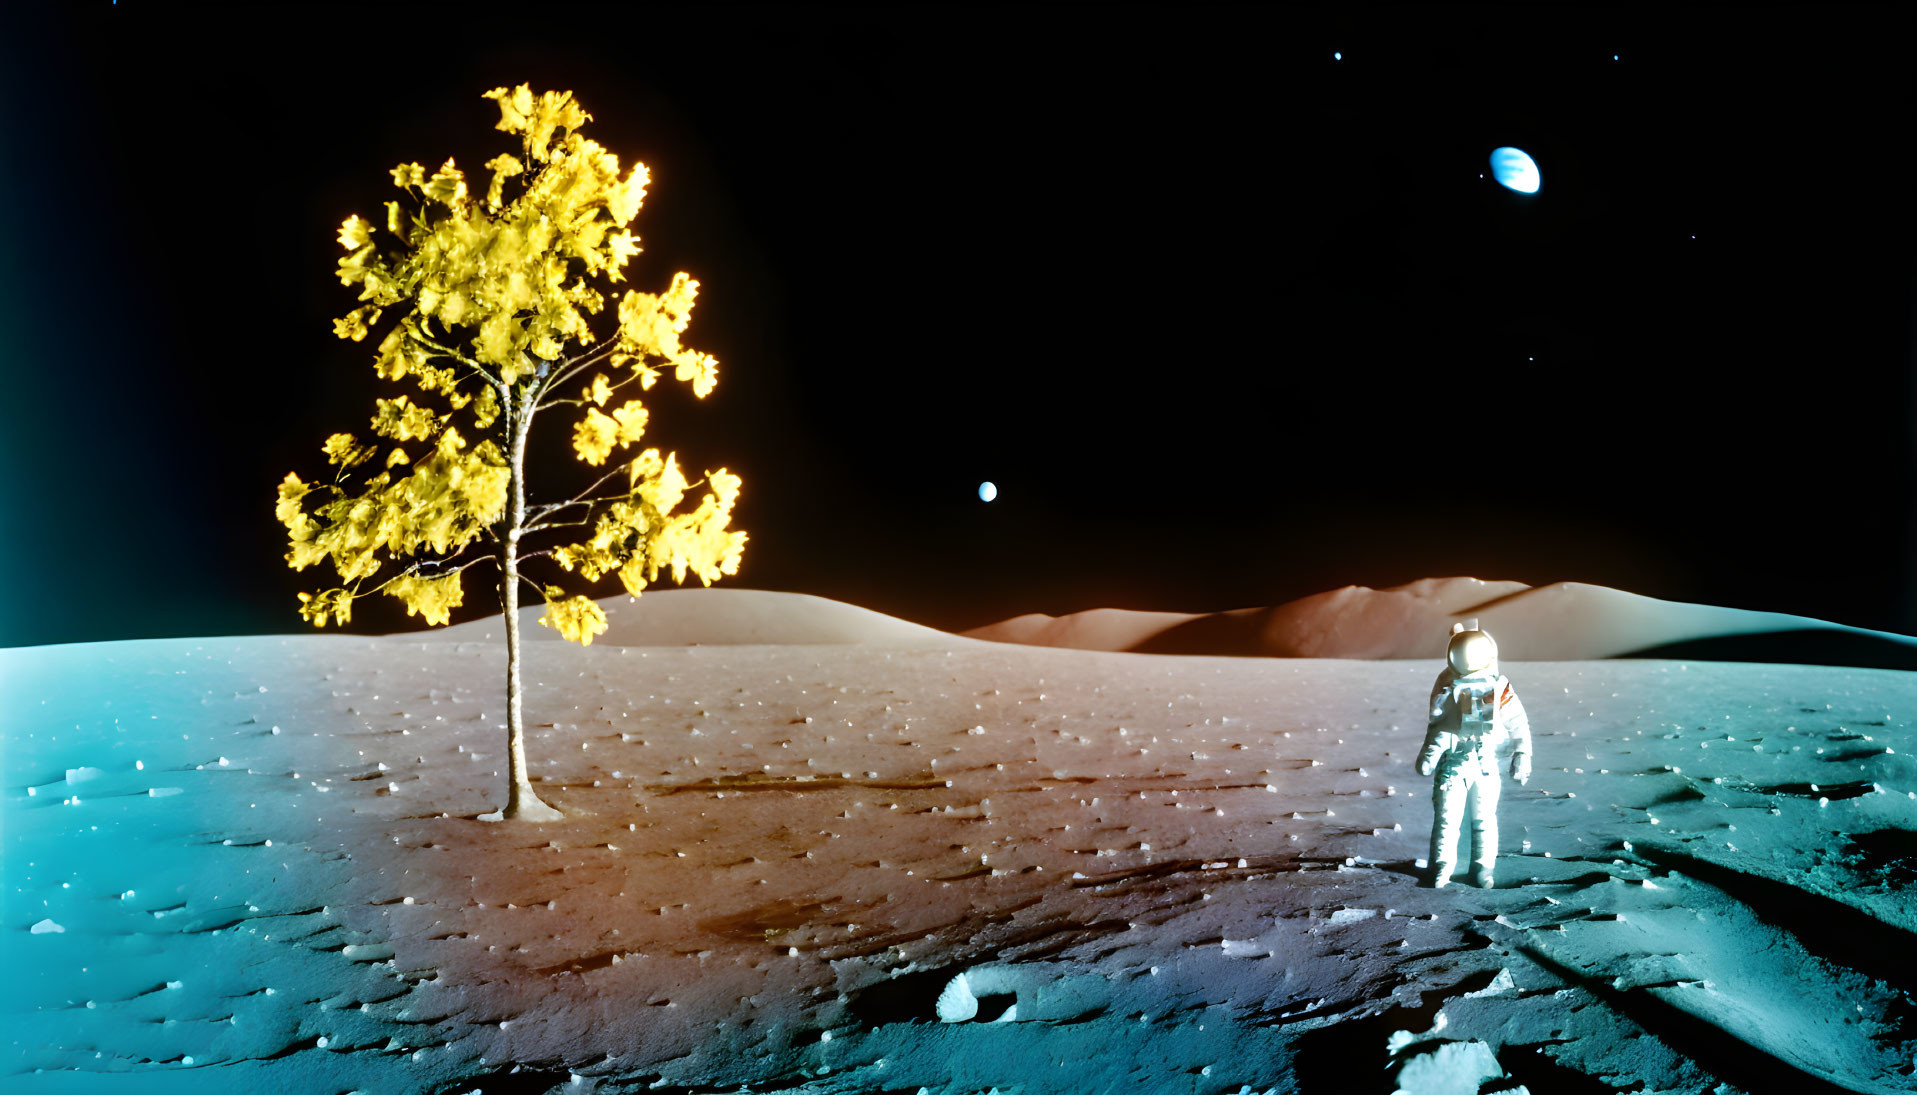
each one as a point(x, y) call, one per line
point(492, 303)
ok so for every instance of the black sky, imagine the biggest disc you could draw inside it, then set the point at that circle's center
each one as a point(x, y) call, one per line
point(1229, 321)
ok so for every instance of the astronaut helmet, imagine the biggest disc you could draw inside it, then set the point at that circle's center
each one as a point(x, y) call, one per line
point(1471, 650)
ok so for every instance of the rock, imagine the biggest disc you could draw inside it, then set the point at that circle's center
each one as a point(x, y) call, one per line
point(1447, 1068)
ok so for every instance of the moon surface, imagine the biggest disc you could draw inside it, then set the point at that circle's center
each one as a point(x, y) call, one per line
point(1514, 168)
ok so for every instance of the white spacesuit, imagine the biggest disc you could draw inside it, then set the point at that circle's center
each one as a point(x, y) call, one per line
point(1474, 713)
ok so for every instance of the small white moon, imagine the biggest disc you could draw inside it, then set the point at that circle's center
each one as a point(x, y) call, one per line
point(1513, 168)
point(987, 491)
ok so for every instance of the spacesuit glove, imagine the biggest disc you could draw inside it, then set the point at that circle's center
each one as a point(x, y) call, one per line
point(1521, 767)
point(1428, 759)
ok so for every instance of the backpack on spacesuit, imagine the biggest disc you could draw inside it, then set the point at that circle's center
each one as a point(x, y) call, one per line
point(1477, 704)
point(1475, 692)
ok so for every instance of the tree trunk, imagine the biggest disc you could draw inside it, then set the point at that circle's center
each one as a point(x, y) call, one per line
point(521, 801)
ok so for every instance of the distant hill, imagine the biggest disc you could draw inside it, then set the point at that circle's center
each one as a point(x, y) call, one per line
point(715, 617)
point(1564, 621)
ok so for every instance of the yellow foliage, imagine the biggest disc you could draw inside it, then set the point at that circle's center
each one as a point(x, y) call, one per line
point(352, 529)
point(700, 540)
point(288, 510)
point(605, 551)
point(651, 325)
point(450, 497)
point(631, 416)
point(345, 450)
point(447, 186)
point(502, 266)
point(701, 369)
point(454, 307)
point(398, 355)
point(498, 339)
point(354, 234)
point(725, 488)
point(433, 599)
point(303, 553)
point(432, 379)
point(535, 119)
point(400, 419)
point(621, 246)
point(640, 535)
point(626, 196)
point(493, 291)
point(504, 166)
point(593, 436)
point(381, 287)
point(648, 375)
point(663, 490)
point(585, 296)
point(588, 237)
point(577, 618)
point(647, 465)
point(486, 407)
point(316, 607)
point(354, 324)
point(301, 528)
point(633, 575)
point(352, 268)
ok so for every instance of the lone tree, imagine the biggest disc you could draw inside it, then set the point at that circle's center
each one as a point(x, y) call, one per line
point(487, 325)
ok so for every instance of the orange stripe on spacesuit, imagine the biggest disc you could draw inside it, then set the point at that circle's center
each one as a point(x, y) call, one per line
point(1506, 698)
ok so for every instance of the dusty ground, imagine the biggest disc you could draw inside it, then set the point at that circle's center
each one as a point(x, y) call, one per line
point(1157, 873)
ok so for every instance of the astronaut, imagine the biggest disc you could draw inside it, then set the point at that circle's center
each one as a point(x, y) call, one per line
point(1474, 715)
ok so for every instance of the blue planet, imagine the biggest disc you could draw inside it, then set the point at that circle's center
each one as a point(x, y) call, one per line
point(1515, 169)
point(987, 491)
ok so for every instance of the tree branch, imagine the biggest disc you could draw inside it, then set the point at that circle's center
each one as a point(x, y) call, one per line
point(423, 563)
point(447, 351)
point(584, 353)
point(551, 508)
point(544, 403)
point(572, 367)
point(581, 523)
point(535, 585)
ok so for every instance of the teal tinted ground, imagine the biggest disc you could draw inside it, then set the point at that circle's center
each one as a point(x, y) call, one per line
point(1690, 839)
point(152, 922)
